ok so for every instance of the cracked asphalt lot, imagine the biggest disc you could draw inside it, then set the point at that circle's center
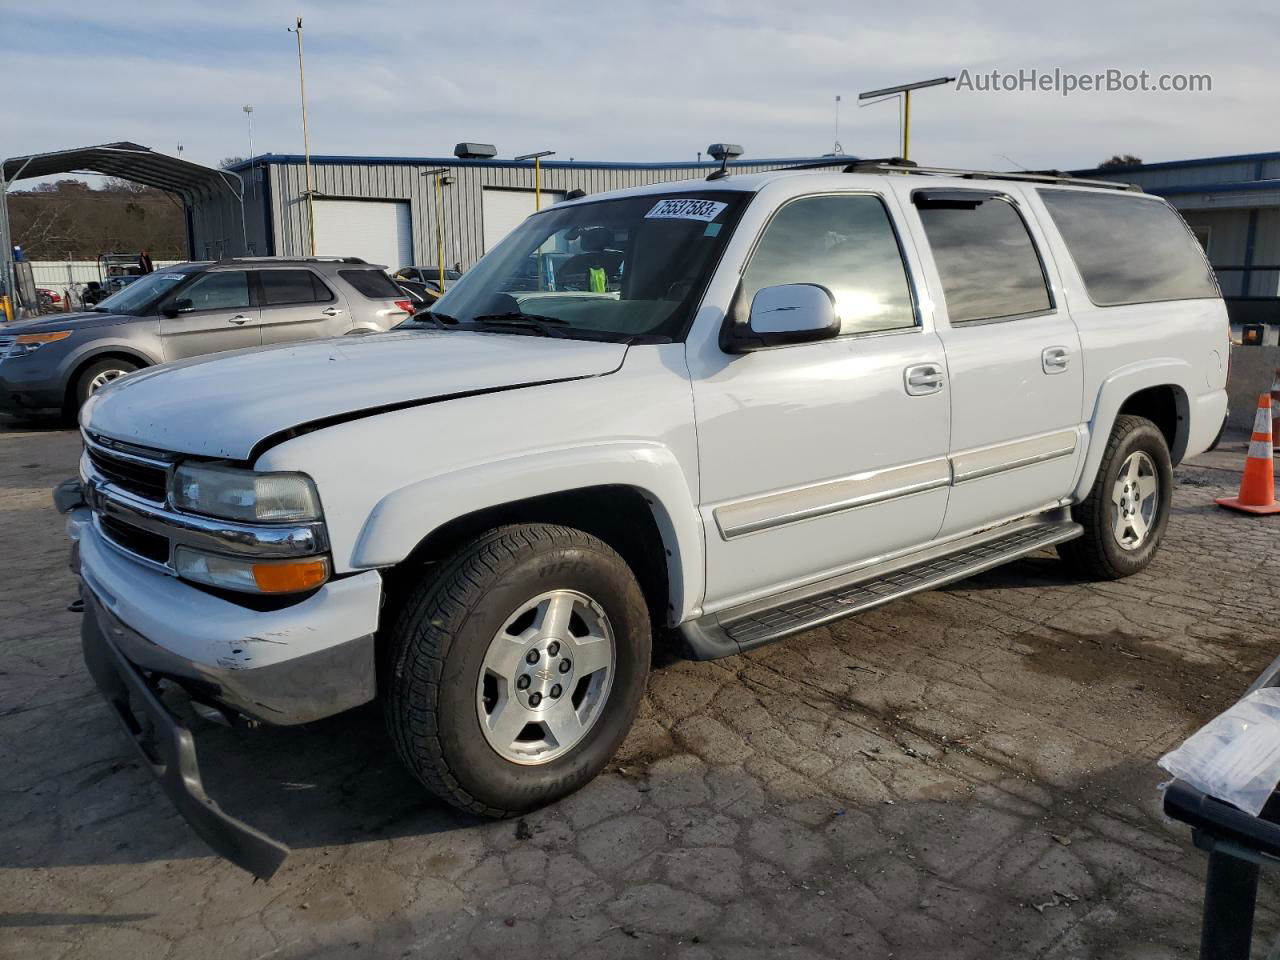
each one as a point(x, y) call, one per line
point(969, 773)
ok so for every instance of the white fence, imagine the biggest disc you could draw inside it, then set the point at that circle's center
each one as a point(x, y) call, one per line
point(62, 275)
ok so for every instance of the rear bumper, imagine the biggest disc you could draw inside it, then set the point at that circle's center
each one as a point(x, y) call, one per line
point(168, 749)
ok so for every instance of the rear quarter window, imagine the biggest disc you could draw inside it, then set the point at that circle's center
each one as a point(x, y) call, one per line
point(373, 284)
point(1129, 249)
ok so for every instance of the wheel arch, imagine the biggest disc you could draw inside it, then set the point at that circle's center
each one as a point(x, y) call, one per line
point(86, 360)
point(635, 497)
point(1157, 390)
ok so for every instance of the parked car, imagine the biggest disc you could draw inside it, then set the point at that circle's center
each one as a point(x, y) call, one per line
point(423, 296)
point(798, 395)
point(428, 276)
point(187, 311)
point(48, 298)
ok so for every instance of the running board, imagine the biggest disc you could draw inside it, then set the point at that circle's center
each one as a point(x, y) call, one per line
point(751, 625)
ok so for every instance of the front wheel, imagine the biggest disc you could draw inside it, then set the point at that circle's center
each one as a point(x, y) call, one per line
point(517, 669)
point(1127, 509)
point(97, 375)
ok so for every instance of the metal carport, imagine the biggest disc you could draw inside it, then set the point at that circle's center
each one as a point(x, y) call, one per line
point(191, 182)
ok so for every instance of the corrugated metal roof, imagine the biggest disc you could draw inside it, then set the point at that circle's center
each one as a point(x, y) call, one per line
point(267, 159)
point(129, 161)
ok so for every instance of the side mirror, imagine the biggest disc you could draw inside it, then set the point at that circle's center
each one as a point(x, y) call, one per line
point(175, 307)
point(785, 314)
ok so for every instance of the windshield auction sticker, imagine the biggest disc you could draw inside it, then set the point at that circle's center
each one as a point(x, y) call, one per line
point(685, 209)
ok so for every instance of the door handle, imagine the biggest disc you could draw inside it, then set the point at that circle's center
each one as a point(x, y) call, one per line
point(1055, 359)
point(923, 379)
point(331, 311)
point(238, 319)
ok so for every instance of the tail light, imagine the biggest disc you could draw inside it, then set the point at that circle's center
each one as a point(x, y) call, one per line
point(406, 306)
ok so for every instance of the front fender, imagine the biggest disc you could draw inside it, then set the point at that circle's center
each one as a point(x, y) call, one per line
point(404, 517)
point(1112, 394)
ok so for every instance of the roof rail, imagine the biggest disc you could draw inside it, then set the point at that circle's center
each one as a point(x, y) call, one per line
point(292, 260)
point(898, 165)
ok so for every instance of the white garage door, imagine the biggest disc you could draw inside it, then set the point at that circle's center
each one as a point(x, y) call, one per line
point(505, 209)
point(374, 230)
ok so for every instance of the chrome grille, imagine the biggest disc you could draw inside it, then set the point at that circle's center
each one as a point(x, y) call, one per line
point(5, 344)
point(140, 475)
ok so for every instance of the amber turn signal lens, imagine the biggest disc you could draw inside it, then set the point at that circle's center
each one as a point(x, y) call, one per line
point(291, 577)
point(43, 337)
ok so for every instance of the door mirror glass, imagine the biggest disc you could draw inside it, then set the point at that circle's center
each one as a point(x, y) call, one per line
point(789, 313)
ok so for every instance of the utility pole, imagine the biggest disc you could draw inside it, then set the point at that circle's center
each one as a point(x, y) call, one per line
point(537, 174)
point(442, 179)
point(306, 140)
point(904, 89)
point(837, 149)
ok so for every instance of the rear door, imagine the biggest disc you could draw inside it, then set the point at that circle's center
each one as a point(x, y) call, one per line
point(1013, 353)
point(297, 304)
point(214, 313)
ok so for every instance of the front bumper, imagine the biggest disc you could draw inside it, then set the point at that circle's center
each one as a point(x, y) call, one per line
point(144, 630)
point(26, 386)
point(168, 749)
point(300, 663)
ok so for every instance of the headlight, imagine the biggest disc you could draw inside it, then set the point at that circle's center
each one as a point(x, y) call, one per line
point(243, 495)
point(31, 342)
point(248, 575)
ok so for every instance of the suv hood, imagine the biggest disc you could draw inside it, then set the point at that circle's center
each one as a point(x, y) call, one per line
point(63, 321)
point(225, 406)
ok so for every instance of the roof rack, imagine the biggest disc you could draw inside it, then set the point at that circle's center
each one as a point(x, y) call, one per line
point(292, 260)
point(898, 165)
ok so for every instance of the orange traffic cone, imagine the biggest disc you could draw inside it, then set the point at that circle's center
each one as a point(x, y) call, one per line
point(1258, 485)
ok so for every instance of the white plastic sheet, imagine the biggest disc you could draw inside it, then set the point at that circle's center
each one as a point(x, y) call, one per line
point(1236, 755)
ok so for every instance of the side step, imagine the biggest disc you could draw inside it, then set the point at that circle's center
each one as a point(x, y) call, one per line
point(752, 625)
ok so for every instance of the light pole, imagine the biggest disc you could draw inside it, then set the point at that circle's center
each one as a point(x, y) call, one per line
point(306, 140)
point(837, 149)
point(248, 115)
point(442, 178)
point(904, 89)
point(537, 174)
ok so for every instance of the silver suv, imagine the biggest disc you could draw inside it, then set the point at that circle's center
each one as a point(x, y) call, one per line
point(187, 311)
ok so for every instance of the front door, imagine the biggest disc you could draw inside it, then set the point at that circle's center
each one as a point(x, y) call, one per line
point(214, 314)
point(298, 305)
point(817, 457)
point(1013, 354)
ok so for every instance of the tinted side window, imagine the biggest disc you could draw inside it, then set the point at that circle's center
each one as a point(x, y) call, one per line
point(1129, 249)
point(846, 244)
point(292, 286)
point(985, 257)
point(374, 284)
point(224, 290)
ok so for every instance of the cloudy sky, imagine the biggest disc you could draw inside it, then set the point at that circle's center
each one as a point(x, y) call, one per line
point(648, 80)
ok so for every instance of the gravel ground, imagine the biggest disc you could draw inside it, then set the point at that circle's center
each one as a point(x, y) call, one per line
point(968, 773)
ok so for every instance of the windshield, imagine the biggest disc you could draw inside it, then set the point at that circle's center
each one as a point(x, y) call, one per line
point(135, 298)
point(614, 269)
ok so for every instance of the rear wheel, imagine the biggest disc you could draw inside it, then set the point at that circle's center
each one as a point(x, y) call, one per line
point(1127, 509)
point(517, 669)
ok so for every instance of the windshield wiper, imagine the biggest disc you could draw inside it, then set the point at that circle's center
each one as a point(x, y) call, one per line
point(441, 321)
point(547, 326)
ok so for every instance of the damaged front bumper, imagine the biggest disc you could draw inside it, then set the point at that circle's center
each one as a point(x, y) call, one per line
point(143, 629)
point(168, 749)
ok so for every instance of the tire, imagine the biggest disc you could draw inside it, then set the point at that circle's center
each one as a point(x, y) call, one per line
point(97, 373)
point(443, 699)
point(1109, 549)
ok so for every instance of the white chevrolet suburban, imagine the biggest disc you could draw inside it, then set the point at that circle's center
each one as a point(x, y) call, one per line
point(735, 408)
